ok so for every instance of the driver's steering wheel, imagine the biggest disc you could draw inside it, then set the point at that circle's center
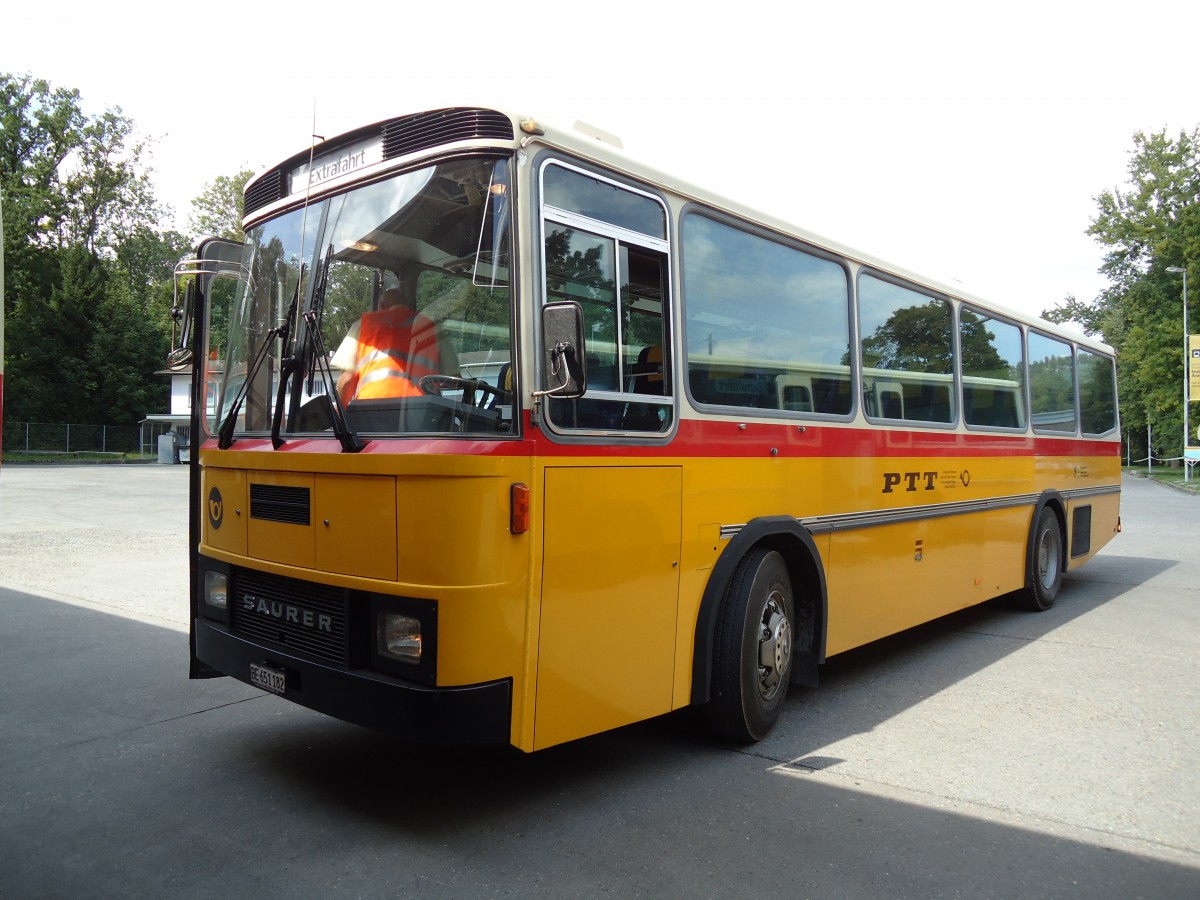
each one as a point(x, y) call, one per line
point(435, 384)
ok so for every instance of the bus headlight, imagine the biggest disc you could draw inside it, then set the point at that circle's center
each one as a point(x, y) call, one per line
point(216, 589)
point(398, 637)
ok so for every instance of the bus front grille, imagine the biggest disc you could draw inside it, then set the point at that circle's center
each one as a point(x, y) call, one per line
point(302, 616)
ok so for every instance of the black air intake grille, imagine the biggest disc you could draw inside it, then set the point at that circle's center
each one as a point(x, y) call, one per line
point(412, 134)
point(299, 615)
point(277, 503)
point(266, 190)
point(408, 134)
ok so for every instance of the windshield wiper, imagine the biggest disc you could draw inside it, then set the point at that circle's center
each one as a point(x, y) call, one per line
point(317, 361)
point(225, 434)
point(287, 365)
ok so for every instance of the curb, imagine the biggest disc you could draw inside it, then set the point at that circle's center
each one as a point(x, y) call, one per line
point(1177, 488)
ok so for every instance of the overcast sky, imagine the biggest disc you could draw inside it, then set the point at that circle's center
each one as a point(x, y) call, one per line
point(964, 140)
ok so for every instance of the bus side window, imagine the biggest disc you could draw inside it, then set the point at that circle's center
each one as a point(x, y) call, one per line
point(990, 407)
point(618, 273)
point(993, 371)
point(767, 321)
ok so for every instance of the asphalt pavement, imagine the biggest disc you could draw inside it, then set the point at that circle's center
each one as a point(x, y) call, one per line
point(990, 754)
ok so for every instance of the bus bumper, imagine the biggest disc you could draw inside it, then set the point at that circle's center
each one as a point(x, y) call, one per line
point(474, 714)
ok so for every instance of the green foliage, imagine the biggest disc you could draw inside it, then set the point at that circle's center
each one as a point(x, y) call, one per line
point(38, 129)
point(87, 272)
point(129, 345)
point(47, 372)
point(1150, 223)
point(1072, 310)
point(218, 211)
point(1157, 220)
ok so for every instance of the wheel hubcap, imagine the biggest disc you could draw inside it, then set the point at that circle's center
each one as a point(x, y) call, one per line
point(1047, 559)
point(774, 646)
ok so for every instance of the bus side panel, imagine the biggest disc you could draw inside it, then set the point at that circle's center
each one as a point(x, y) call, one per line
point(1103, 519)
point(610, 582)
point(1006, 534)
point(888, 578)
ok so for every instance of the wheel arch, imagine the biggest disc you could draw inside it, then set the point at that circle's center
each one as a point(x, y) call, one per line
point(793, 542)
point(1058, 505)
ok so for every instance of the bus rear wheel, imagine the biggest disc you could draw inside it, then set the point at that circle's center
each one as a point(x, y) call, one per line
point(1044, 564)
point(752, 652)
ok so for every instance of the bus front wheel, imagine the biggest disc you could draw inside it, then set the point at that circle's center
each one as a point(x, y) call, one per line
point(752, 652)
point(1044, 563)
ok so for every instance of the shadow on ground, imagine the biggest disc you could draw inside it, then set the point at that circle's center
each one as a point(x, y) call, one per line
point(121, 778)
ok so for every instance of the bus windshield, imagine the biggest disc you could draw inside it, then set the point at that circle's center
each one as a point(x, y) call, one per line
point(391, 301)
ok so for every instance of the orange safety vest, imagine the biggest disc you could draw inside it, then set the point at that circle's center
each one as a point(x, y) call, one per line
point(396, 349)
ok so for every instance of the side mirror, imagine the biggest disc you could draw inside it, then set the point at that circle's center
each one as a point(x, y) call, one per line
point(215, 258)
point(181, 326)
point(179, 358)
point(563, 367)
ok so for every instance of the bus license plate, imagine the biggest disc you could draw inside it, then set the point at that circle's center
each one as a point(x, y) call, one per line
point(268, 679)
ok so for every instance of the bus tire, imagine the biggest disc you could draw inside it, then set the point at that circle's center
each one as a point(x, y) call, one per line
point(1044, 563)
point(752, 648)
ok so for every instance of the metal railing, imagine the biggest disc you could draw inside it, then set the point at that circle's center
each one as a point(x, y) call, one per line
point(73, 438)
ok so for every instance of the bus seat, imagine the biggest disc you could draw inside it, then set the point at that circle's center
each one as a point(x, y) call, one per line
point(648, 371)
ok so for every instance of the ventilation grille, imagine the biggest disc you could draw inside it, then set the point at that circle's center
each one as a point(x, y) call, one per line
point(268, 189)
point(411, 134)
point(408, 134)
point(277, 503)
point(302, 616)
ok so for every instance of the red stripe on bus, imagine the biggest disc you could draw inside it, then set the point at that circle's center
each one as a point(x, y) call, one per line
point(697, 438)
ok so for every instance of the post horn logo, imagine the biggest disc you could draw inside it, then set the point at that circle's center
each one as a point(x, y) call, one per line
point(216, 508)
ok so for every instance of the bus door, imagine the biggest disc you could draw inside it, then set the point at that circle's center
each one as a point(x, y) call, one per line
point(205, 287)
point(613, 507)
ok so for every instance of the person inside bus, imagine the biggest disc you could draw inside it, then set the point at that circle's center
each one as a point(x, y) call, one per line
point(389, 350)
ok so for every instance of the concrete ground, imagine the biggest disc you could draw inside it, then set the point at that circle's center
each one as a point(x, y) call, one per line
point(989, 754)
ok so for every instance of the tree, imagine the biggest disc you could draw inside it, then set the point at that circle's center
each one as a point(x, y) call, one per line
point(127, 347)
point(1158, 219)
point(39, 127)
point(1151, 223)
point(48, 370)
point(217, 212)
point(85, 266)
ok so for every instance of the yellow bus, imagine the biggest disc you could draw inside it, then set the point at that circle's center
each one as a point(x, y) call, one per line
point(654, 450)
